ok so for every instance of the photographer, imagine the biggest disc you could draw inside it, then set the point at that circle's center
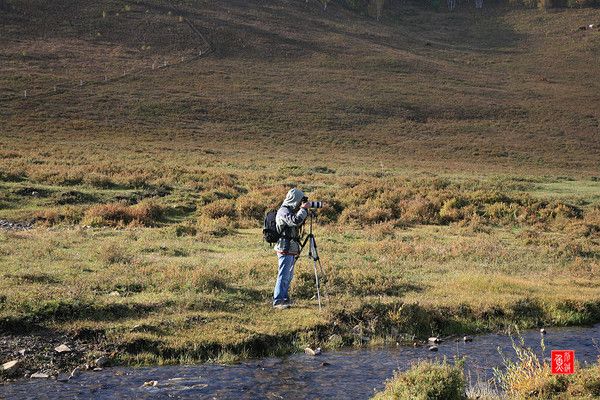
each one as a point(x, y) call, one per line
point(290, 217)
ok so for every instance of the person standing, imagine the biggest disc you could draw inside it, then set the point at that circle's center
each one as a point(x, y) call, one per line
point(290, 217)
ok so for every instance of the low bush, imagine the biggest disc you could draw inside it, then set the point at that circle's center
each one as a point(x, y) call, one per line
point(219, 209)
point(59, 215)
point(586, 383)
point(419, 211)
point(8, 174)
point(98, 181)
point(185, 229)
point(137, 180)
point(452, 209)
point(113, 253)
point(251, 207)
point(427, 381)
point(531, 378)
point(208, 280)
point(366, 215)
point(146, 213)
point(217, 227)
point(59, 176)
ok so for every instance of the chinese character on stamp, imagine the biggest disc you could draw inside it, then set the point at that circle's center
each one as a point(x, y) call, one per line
point(563, 361)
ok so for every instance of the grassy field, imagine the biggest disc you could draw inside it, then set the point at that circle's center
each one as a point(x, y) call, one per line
point(457, 153)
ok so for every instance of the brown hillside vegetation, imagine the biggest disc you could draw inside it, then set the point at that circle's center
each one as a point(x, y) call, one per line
point(485, 90)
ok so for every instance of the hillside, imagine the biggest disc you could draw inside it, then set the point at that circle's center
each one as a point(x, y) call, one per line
point(495, 90)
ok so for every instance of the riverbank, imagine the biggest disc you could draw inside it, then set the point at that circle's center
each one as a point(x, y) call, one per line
point(333, 374)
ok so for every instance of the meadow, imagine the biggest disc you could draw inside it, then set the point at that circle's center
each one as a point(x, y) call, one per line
point(459, 166)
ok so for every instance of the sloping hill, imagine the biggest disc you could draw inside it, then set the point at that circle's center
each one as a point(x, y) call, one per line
point(492, 89)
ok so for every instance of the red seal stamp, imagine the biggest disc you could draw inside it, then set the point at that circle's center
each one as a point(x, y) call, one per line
point(563, 361)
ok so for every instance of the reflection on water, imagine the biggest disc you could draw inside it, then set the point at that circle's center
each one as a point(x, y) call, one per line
point(350, 374)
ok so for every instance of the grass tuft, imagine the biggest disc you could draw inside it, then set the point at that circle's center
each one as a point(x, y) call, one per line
point(427, 381)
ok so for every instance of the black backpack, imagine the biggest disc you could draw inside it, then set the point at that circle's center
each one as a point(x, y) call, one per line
point(270, 233)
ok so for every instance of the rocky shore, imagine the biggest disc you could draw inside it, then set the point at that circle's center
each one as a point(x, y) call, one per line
point(50, 355)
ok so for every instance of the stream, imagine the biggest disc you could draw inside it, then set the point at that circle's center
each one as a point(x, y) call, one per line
point(343, 374)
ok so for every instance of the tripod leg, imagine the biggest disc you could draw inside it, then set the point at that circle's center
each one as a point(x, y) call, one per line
point(317, 281)
point(323, 276)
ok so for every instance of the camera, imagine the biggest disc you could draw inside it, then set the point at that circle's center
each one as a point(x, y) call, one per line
point(312, 204)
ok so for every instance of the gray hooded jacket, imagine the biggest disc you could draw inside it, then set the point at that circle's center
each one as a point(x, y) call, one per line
point(288, 223)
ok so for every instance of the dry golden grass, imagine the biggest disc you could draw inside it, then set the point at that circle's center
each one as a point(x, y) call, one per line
point(145, 213)
point(531, 378)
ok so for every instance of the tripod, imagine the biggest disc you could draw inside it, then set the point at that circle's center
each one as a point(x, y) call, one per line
point(313, 254)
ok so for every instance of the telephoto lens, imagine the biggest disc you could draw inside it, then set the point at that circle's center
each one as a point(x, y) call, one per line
point(315, 204)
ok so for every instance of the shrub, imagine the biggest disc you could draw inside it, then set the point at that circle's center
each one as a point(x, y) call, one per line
point(419, 211)
point(215, 186)
point(113, 253)
point(500, 212)
point(218, 227)
point(107, 214)
point(12, 175)
point(146, 213)
point(185, 230)
point(586, 383)
point(252, 207)
point(207, 280)
point(54, 216)
point(216, 194)
point(528, 377)
point(331, 211)
point(451, 209)
point(427, 381)
point(64, 177)
point(137, 180)
point(98, 181)
point(365, 215)
point(219, 209)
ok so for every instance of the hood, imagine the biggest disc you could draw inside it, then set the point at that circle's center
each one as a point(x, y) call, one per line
point(293, 198)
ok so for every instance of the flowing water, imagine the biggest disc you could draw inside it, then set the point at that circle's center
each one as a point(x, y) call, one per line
point(345, 374)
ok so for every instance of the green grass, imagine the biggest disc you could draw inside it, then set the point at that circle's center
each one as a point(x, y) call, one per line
point(427, 381)
point(200, 296)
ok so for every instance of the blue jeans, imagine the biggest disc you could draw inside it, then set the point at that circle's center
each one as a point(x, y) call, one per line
point(284, 278)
